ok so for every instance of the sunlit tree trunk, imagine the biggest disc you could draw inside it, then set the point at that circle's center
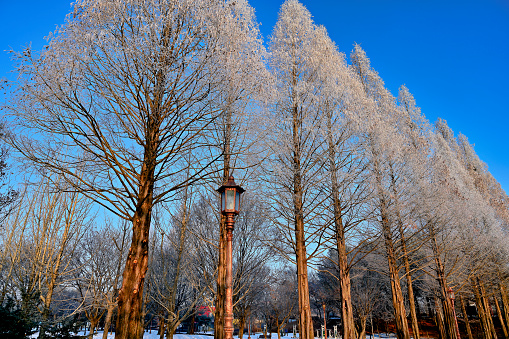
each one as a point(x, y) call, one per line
point(439, 319)
point(398, 301)
point(501, 318)
point(465, 317)
point(131, 293)
point(487, 309)
point(481, 311)
point(505, 303)
point(344, 275)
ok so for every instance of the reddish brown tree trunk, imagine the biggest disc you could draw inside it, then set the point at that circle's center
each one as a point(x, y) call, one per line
point(219, 314)
point(406, 260)
point(505, 303)
point(162, 326)
point(439, 318)
point(465, 317)
point(344, 275)
point(107, 321)
point(221, 283)
point(481, 311)
point(130, 298)
point(398, 302)
point(487, 309)
point(305, 321)
point(447, 307)
point(501, 318)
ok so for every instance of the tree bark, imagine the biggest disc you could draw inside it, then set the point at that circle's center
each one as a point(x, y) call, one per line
point(362, 328)
point(130, 296)
point(93, 326)
point(448, 313)
point(501, 318)
point(439, 318)
point(465, 317)
point(305, 321)
point(242, 325)
point(221, 282)
point(487, 309)
point(219, 314)
point(344, 275)
point(481, 311)
point(406, 261)
point(505, 303)
point(398, 302)
point(107, 320)
point(162, 327)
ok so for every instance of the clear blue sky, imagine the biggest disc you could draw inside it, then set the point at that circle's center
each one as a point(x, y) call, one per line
point(452, 55)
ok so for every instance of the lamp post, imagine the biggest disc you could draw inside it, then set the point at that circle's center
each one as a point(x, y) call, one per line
point(230, 205)
point(450, 294)
point(324, 322)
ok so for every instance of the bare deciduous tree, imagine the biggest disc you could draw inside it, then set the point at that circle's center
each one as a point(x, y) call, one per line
point(122, 93)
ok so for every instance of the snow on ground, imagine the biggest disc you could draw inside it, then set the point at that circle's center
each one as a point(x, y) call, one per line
point(154, 335)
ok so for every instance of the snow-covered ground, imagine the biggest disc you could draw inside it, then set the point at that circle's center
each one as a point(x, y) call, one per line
point(154, 335)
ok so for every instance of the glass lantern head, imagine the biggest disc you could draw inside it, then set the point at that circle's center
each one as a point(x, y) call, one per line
point(451, 293)
point(230, 196)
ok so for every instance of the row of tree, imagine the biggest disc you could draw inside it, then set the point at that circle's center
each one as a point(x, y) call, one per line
point(145, 107)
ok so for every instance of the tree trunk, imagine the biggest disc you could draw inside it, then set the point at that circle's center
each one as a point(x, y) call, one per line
point(219, 314)
point(170, 332)
point(448, 312)
point(398, 302)
point(362, 328)
point(481, 311)
point(162, 327)
point(465, 317)
point(221, 282)
point(487, 309)
point(406, 260)
point(501, 318)
point(130, 296)
point(439, 319)
point(190, 330)
point(305, 321)
point(107, 320)
point(505, 303)
point(344, 275)
point(93, 326)
point(242, 325)
point(411, 299)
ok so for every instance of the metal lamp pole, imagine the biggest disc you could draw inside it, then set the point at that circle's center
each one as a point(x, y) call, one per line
point(324, 322)
point(230, 205)
point(452, 297)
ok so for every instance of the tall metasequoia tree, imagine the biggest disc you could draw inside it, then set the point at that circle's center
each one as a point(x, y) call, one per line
point(121, 94)
point(293, 142)
point(243, 76)
point(416, 151)
point(454, 209)
point(381, 144)
point(340, 96)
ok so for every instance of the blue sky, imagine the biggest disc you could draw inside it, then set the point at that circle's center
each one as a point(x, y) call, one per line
point(452, 55)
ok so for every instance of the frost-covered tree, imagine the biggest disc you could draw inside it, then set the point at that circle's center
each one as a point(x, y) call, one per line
point(382, 147)
point(339, 103)
point(294, 143)
point(122, 94)
point(244, 74)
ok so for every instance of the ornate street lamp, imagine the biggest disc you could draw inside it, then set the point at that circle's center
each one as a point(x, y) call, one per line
point(450, 294)
point(324, 323)
point(230, 207)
